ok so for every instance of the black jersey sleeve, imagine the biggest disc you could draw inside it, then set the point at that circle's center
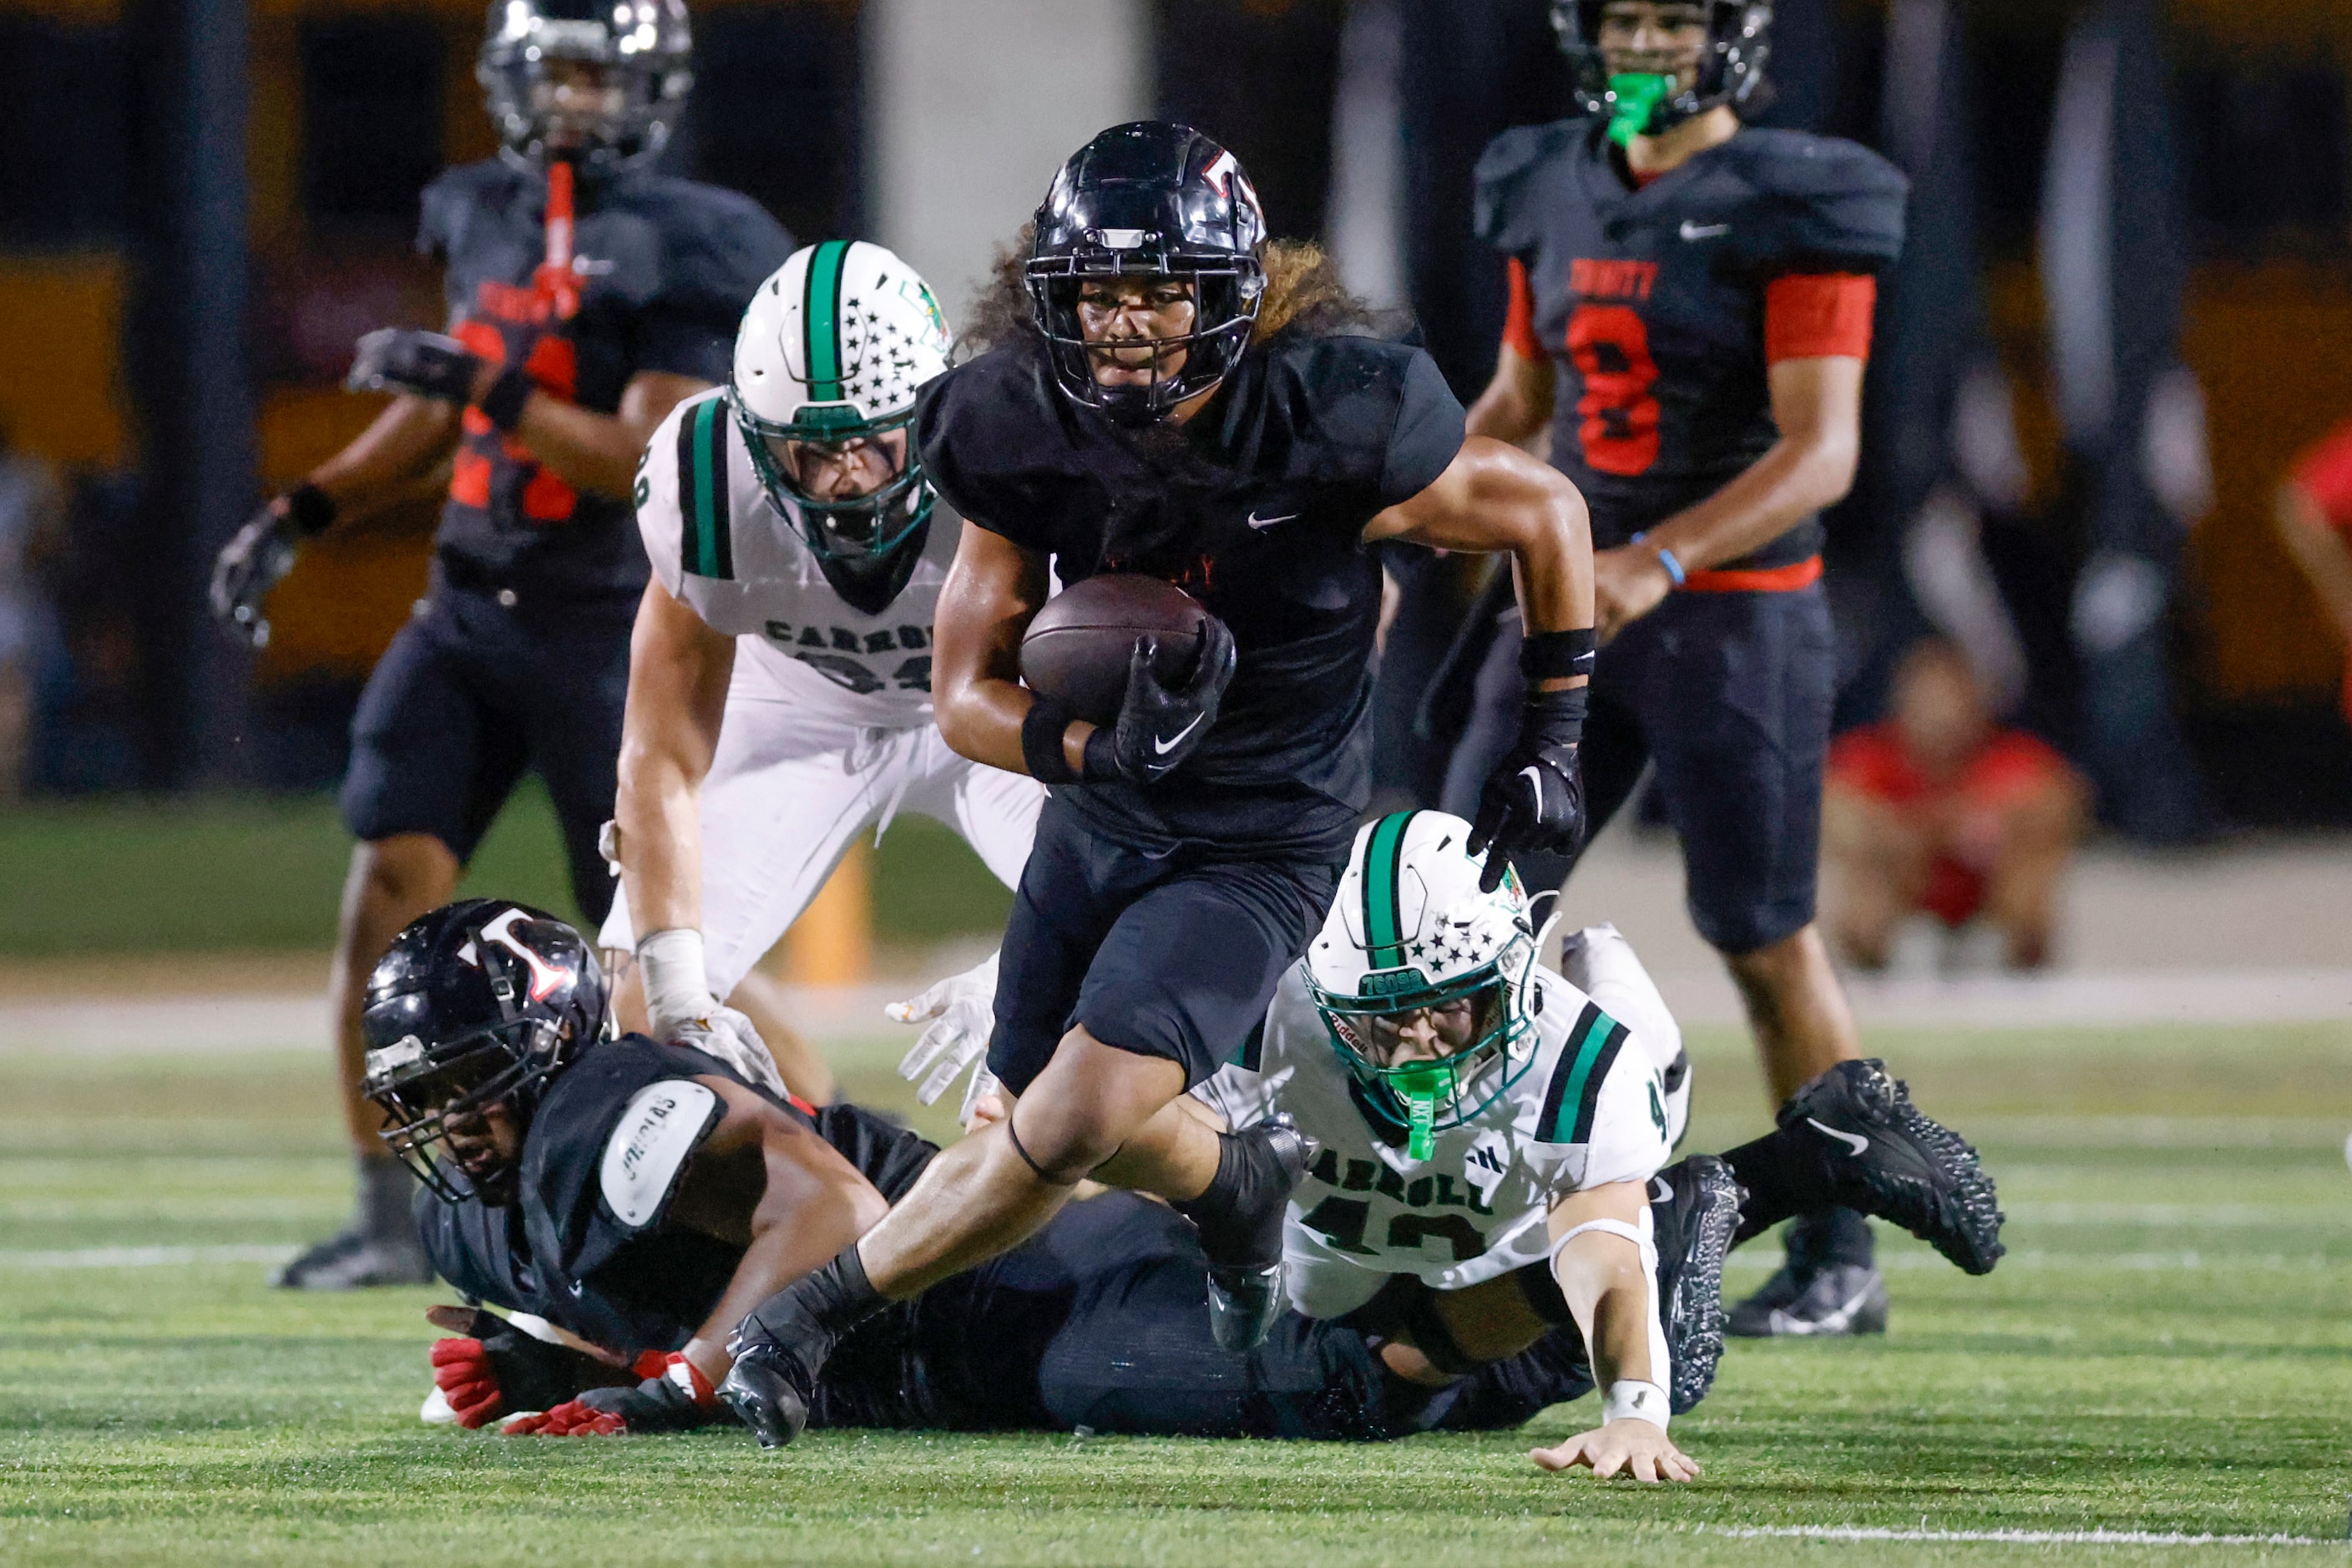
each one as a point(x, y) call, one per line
point(1828, 206)
point(718, 247)
point(448, 204)
point(1430, 426)
point(1503, 202)
point(977, 428)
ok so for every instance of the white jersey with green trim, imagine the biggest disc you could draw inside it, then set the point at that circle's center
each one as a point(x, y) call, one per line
point(1589, 1110)
point(728, 552)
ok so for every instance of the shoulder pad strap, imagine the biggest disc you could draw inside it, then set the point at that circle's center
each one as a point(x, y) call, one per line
point(1574, 1092)
point(707, 546)
point(663, 1124)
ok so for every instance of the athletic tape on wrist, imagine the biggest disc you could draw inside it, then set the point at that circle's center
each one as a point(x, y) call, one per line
point(503, 403)
point(1042, 731)
point(1553, 656)
point(1644, 1236)
point(676, 985)
point(310, 509)
point(1634, 1399)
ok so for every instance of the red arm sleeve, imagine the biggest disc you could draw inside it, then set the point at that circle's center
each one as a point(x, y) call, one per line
point(1819, 316)
point(2324, 474)
point(1520, 326)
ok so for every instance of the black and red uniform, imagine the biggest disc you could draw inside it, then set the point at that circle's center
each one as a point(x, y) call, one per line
point(1661, 305)
point(519, 654)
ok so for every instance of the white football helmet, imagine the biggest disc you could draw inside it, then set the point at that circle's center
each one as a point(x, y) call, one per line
point(826, 366)
point(1426, 984)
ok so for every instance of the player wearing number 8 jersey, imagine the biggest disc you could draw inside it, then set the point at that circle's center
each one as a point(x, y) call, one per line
point(1691, 305)
point(780, 683)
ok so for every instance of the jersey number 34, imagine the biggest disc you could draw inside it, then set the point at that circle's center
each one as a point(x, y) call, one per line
point(1611, 348)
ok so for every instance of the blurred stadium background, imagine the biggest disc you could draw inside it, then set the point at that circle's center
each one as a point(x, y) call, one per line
point(2121, 316)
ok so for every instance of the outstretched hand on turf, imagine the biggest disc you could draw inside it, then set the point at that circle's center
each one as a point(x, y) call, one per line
point(1631, 1447)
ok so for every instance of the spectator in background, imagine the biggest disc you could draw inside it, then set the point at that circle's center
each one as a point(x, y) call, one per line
point(30, 503)
point(2314, 521)
point(1936, 810)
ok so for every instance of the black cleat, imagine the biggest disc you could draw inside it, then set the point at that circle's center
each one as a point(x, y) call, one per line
point(1837, 1300)
point(770, 1392)
point(1241, 1235)
point(1883, 1157)
point(1693, 1210)
point(353, 1260)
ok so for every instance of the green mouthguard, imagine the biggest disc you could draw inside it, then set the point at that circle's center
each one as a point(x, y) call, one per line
point(1419, 1086)
point(1638, 95)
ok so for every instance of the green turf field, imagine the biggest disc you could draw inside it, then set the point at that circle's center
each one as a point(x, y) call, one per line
point(240, 875)
point(2168, 1349)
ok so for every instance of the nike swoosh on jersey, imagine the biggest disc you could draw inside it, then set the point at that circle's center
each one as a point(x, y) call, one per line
point(1176, 740)
point(1697, 231)
point(1257, 522)
point(1854, 1141)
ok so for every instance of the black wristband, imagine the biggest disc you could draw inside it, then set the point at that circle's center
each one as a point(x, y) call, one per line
point(309, 508)
point(1042, 733)
point(502, 405)
point(1552, 656)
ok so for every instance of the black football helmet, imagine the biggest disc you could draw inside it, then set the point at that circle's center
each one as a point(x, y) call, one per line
point(644, 50)
point(1149, 199)
point(479, 1003)
point(1730, 69)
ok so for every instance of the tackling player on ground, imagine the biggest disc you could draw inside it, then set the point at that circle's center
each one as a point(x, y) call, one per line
point(1179, 400)
point(587, 297)
point(634, 1197)
point(1690, 318)
point(780, 679)
point(1487, 1181)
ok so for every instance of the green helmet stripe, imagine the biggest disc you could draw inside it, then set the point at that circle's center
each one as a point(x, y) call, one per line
point(821, 313)
point(709, 536)
point(1383, 921)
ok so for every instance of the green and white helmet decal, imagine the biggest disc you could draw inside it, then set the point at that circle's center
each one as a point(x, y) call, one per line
point(829, 358)
point(1426, 984)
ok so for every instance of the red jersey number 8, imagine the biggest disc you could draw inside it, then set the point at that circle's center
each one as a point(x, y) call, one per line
point(1611, 348)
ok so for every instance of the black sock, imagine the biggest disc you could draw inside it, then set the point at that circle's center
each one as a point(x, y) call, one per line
point(1783, 1178)
point(387, 1192)
point(1225, 1238)
point(1833, 1237)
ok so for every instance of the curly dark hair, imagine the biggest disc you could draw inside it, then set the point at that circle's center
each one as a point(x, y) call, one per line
point(1304, 295)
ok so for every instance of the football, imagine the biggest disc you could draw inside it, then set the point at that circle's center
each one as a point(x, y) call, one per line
point(1078, 648)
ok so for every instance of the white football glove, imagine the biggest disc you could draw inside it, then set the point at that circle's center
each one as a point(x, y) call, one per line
point(729, 1036)
point(962, 1013)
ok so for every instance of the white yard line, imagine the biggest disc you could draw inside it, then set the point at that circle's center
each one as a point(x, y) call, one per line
point(2018, 1537)
point(141, 1256)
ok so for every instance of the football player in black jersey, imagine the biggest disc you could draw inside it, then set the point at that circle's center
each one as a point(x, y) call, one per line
point(637, 1198)
point(1180, 399)
point(1691, 305)
point(587, 297)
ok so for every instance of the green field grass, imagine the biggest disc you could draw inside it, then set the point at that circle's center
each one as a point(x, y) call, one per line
point(243, 875)
point(2167, 1349)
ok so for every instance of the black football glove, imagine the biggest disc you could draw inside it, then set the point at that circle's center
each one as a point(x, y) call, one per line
point(497, 1370)
point(426, 364)
point(248, 567)
point(1535, 797)
point(1159, 728)
point(678, 1399)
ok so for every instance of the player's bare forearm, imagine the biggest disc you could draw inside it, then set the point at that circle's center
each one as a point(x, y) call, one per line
point(406, 442)
point(594, 452)
point(1817, 403)
point(678, 671)
point(766, 1182)
point(1601, 1277)
point(1495, 497)
point(994, 590)
point(1517, 402)
point(2320, 552)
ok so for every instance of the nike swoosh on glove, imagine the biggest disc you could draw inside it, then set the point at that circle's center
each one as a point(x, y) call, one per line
point(497, 1369)
point(681, 1399)
point(1157, 728)
point(425, 365)
point(1535, 797)
point(729, 1036)
point(962, 1013)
